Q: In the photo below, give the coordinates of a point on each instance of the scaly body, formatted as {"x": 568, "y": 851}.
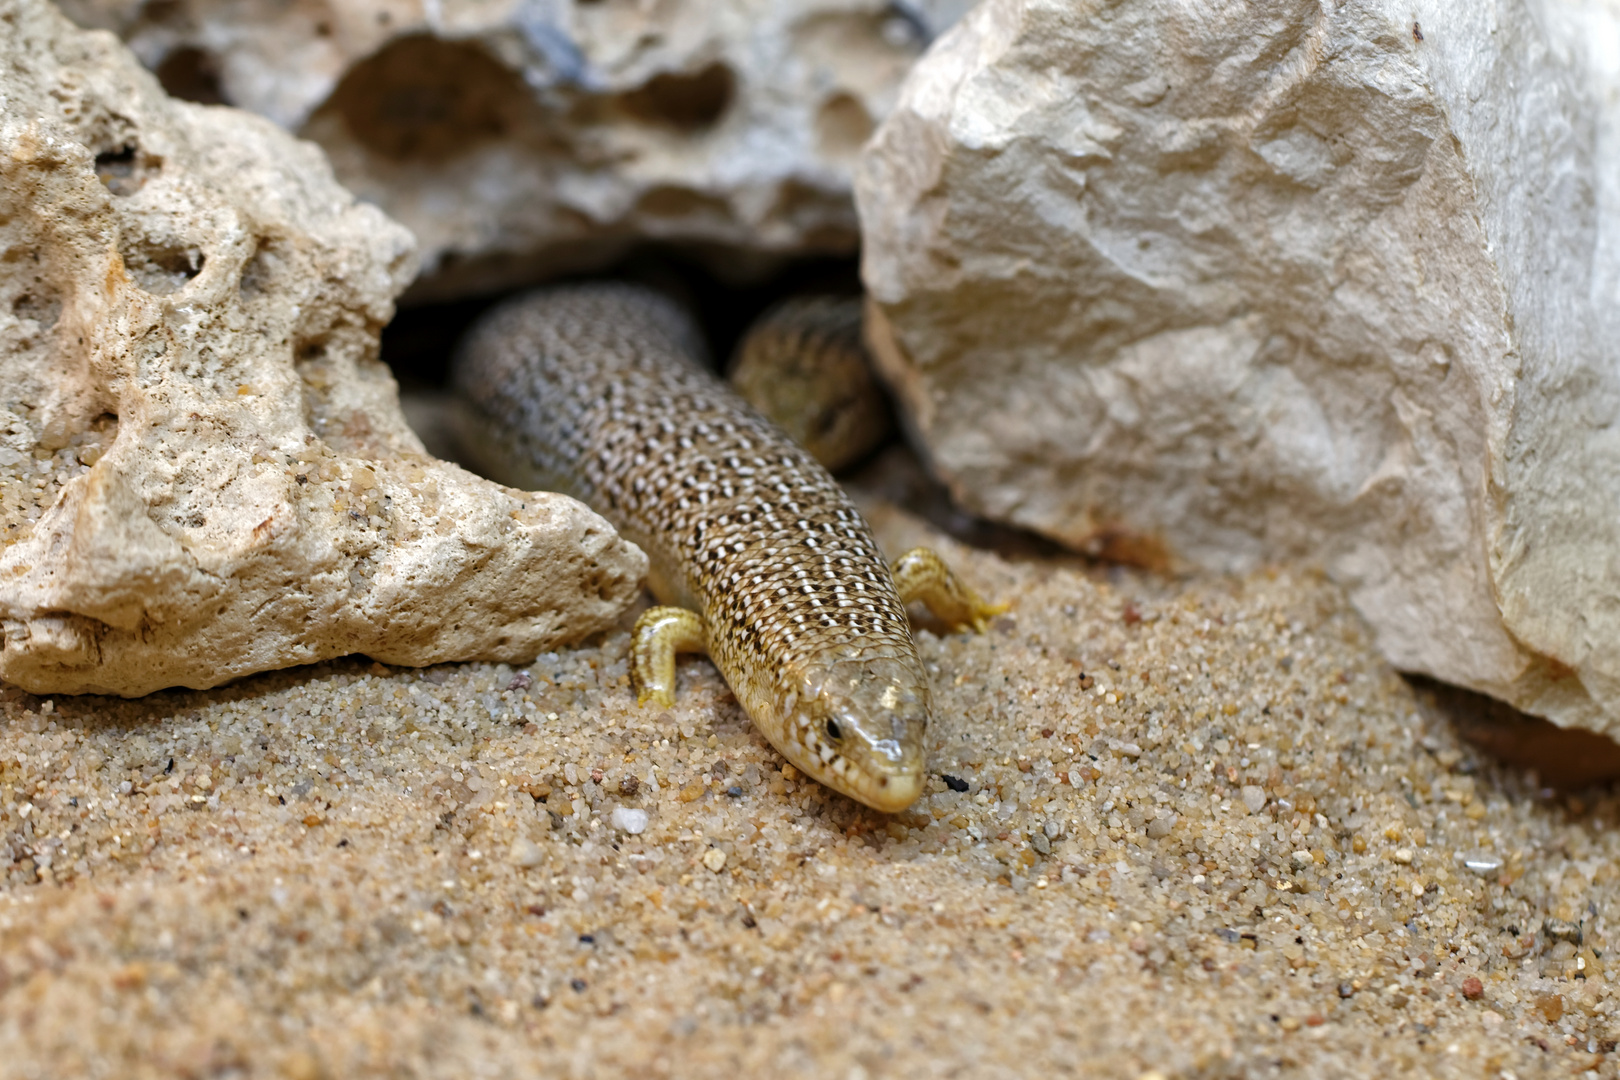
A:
{"x": 598, "y": 391}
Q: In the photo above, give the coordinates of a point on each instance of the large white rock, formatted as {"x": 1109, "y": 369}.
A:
{"x": 521, "y": 138}
{"x": 1236, "y": 283}
{"x": 203, "y": 467}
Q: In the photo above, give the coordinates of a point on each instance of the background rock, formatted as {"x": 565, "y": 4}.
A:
{"x": 203, "y": 467}
{"x": 1288, "y": 281}
{"x": 523, "y": 138}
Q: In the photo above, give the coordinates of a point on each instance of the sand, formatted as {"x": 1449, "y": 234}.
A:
{"x": 1177, "y": 828}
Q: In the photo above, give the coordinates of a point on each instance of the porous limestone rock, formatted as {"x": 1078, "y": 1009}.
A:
{"x": 203, "y": 467}
{"x": 522, "y": 138}
{"x": 1299, "y": 280}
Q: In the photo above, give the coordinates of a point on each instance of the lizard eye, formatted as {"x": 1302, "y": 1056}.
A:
{"x": 834, "y": 732}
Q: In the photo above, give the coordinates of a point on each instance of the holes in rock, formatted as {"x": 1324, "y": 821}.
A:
{"x": 809, "y": 206}
{"x": 161, "y": 270}
{"x": 688, "y": 102}
{"x": 600, "y": 584}
{"x": 862, "y": 50}
{"x": 794, "y": 196}
{"x": 92, "y": 443}
{"x": 259, "y": 272}
{"x": 342, "y": 430}
{"x": 905, "y": 27}
{"x": 163, "y": 12}
{"x": 41, "y": 305}
{"x": 421, "y": 99}
{"x": 842, "y": 126}
{"x": 124, "y": 170}
{"x": 192, "y": 74}
{"x": 669, "y": 201}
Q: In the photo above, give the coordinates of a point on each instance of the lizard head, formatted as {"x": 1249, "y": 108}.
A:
{"x": 859, "y": 725}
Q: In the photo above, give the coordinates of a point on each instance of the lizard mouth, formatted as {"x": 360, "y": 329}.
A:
{"x": 888, "y": 792}
{"x": 889, "y": 786}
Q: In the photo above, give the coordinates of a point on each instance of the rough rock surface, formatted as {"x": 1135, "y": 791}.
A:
{"x": 203, "y": 467}
{"x": 1191, "y": 829}
{"x": 1339, "y": 282}
{"x": 521, "y": 137}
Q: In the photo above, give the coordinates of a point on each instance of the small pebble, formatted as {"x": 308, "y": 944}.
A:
{"x": 1403, "y": 856}
{"x": 1302, "y": 859}
{"x": 1562, "y": 930}
{"x": 714, "y": 859}
{"x": 629, "y": 820}
{"x": 1254, "y": 798}
{"x": 1482, "y": 862}
{"x": 954, "y": 783}
{"x": 1472, "y": 988}
{"x": 525, "y": 853}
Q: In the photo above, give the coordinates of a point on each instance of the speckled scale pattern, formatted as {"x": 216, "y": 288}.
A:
{"x": 604, "y": 387}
